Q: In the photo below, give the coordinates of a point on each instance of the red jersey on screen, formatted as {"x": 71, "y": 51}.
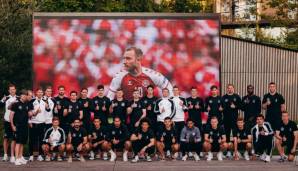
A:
{"x": 128, "y": 83}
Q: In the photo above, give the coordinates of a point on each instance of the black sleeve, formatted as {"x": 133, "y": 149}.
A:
{"x": 14, "y": 107}
{"x": 264, "y": 99}
{"x": 259, "y": 105}
{"x": 222, "y": 131}
{"x": 282, "y": 100}
{"x": 84, "y": 132}
{"x": 151, "y": 134}
{"x": 156, "y": 107}
{"x": 125, "y": 135}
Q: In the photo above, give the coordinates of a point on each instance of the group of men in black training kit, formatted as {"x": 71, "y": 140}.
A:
{"x": 62, "y": 128}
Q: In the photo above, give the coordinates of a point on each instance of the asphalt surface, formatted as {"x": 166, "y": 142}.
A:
{"x": 203, "y": 165}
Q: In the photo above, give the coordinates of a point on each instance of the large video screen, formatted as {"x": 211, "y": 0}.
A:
{"x": 78, "y": 52}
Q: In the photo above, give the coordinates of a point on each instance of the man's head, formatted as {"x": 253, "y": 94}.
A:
{"x": 214, "y": 122}
{"x": 97, "y": 122}
{"x": 176, "y": 91}
{"x": 39, "y": 93}
{"x": 77, "y": 123}
{"x": 194, "y": 92}
{"x": 240, "y": 123}
{"x": 61, "y": 90}
{"x": 165, "y": 92}
{"x": 167, "y": 122}
{"x": 136, "y": 94}
{"x": 73, "y": 95}
{"x": 260, "y": 119}
{"x": 12, "y": 89}
{"x": 84, "y": 93}
{"x": 230, "y": 89}
{"x": 24, "y": 95}
{"x": 119, "y": 94}
{"x": 29, "y": 95}
{"x": 272, "y": 87}
{"x": 214, "y": 90}
{"x": 145, "y": 124}
{"x": 49, "y": 91}
{"x": 55, "y": 122}
{"x": 190, "y": 123}
{"x": 150, "y": 90}
{"x": 132, "y": 59}
{"x": 100, "y": 90}
{"x": 285, "y": 117}
{"x": 250, "y": 89}
{"x": 117, "y": 122}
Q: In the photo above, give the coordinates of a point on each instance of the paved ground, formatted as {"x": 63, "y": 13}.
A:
{"x": 99, "y": 165}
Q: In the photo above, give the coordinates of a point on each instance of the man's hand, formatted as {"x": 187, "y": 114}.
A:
{"x": 162, "y": 139}
{"x": 104, "y": 108}
{"x": 14, "y": 128}
{"x": 140, "y": 136}
{"x": 86, "y": 104}
{"x": 197, "y": 106}
{"x": 233, "y": 106}
{"x": 173, "y": 140}
{"x": 220, "y": 108}
{"x": 208, "y": 108}
{"x": 149, "y": 107}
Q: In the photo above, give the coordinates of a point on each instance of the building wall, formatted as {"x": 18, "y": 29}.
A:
{"x": 244, "y": 63}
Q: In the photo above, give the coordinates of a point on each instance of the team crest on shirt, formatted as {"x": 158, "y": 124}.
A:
{"x": 244, "y": 134}
{"x": 193, "y": 134}
{"x": 113, "y": 132}
{"x": 276, "y": 100}
{"x": 27, "y": 107}
{"x": 234, "y": 99}
{"x": 218, "y": 134}
{"x": 145, "y": 83}
{"x": 253, "y": 101}
{"x": 74, "y": 135}
{"x": 147, "y": 137}
{"x": 282, "y": 128}
{"x": 163, "y": 134}
{"x": 238, "y": 134}
{"x": 70, "y": 107}
{"x": 77, "y": 107}
{"x": 218, "y": 101}
{"x": 226, "y": 100}
{"x": 290, "y": 129}
{"x": 94, "y": 135}
{"x": 211, "y": 132}
{"x": 96, "y": 101}
{"x": 122, "y": 104}
{"x": 210, "y": 101}
{"x": 120, "y": 132}
{"x": 145, "y": 101}
{"x": 20, "y": 107}
{"x": 129, "y": 82}
{"x": 58, "y": 102}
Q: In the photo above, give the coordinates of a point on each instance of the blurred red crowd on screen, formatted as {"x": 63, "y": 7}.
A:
{"x": 80, "y": 53}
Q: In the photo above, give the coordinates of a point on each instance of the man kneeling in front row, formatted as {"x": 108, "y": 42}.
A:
{"x": 286, "y": 136}
{"x": 54, "y": 140}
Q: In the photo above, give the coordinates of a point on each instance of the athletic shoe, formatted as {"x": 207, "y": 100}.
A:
{"x": 125, "y": 158}
{"x": 31, "y": 158}
{"x": 5, "y": 157}
{"x": 219, "y": 156}
{"x": 136, "y": 159}
{"x": 82, "y": 159}
{"x": 12, "y": 159}
{"x": 105, "y": 156}
{"x": 113, "y": 156}
{"x": 48, "y": 158}
{"x": 184, "y": 158}
{"x": 209, "y": 156}
{"x": 190, "y": 154}
{"x": 59, "y": 159}
{"x": 267, "y": 158}
{"x": 196, "y": 156}
{"x": 18, "y": 162}
{"x": 69, "y": 159}
{"x": 246, "y": 156}
{"x": 40, "y": 158}
{"x": 263, "y": 157}
{"x": 201, "y": 154}
{"x": 91, "y": 155}
{"x": 229, "y": 155}
{"x": 168, "y": 154}
{"x": 23, "y": 159}
{"x": 148, "y": 158}
{"x": 175, "y": 156}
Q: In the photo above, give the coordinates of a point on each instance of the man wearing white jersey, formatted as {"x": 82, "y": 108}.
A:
{"x": 181, "y": 107}
{"x": 36, "y": 124}
{"x": 7, "y": 101}
{"x": 49, "y": 106}
{"x": 164, "y": 107}
{"x": 135, "y": 77}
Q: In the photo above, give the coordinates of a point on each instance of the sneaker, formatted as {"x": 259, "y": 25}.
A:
{"x": 201, "y": 154}
{"x": 209, "y": 156}
{"x": 91, "y": 155}
{"x": 69, "y": 159}
{"x": 105, "y": 156}
{"x": 246, "y": 156}
{"x": 148, "y": 158}
{"x": 136, "y": 159}
{"x": 31, "y": 158}
{"x": 22, "y": 161}
{"x": 168, "y": 154}
{"x": 113, "y": 156}
{"x": 5, "y": 158}
{"x": 267, "y": 158}
{"x": 229, "y": 155}
{"x": 40, "y": 158}
{"x": 125, "y": 158}
{"x": 48, "y": 158}
{"x": 190, "y": 154}
{"x": 219, "y": 156}
{"x": 262, "y": 157}
{"x": 197, "y": 157}
{"x": 12, "y": 159}
{"x": 97, "y": 156}
{"x": 184, "y": 158}
{"x": 175, "y": 156}
{"x": 17, "y": 162}
{"x": 59, "y": 159}
{"x": 82, "y": 159}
